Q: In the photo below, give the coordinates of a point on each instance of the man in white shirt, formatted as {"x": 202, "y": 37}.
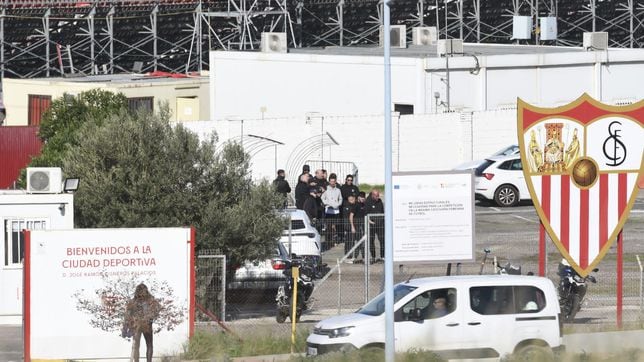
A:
{"x": 332, "y": 200}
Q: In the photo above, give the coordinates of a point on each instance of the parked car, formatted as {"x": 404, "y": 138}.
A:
{"x": 304, "y": 238}
{"x": 265, "y": 275}
{"x": 456, "y": 316}
{"x": 501, "y": 179}
{"x": 259, "y": 275}
{"x": 505, "y": 151}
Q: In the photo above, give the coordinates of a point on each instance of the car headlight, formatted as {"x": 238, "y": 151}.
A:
{"x": 340, "y": 332}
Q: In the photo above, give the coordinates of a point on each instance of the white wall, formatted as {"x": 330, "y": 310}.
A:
{"x": 256, "y": 85}
{"x": 269, "y": 95}
{"x": 544, "y": 79}
{"x": 428, "y": 142}
{"x": 17, "y": 205}
{"x": 261, "y": 85}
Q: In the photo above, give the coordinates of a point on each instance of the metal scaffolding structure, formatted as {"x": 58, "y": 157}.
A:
{"x": 62, "y": 37}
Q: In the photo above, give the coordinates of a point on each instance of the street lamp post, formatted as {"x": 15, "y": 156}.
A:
{"x": 241, "y": 125}
{"x": 389, "y": 265}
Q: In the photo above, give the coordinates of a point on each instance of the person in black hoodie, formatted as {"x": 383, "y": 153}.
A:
{"x": 311, "y": 205}
{"x": 358, "y": 220}
{"x": 349, "y": 188}
{"x": 374, "y": 205}
{"x": 302, "y": 187}
{"x": 281, "y": 186}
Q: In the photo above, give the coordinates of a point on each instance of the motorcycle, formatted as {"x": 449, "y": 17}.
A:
{"x": 509, "y": 269}
{"x": 572, "y": 290}
{"x": 305, "y": 286}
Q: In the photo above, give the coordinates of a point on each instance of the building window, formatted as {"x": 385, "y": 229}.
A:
{"x": 141, "y": 103}
{"x": 404, "y": 109}
{"x": 38, "y": 105}
{"x": 14, "y": 242}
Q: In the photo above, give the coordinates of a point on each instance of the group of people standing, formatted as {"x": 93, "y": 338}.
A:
{"x": 337, "y": 210}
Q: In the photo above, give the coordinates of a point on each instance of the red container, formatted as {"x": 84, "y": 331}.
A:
{"x": 18, "y": 144}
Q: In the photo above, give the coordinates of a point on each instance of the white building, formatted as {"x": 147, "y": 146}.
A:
{"x": 305, "y": 95}
{"x": 349, "y": 80}
{"x": 18, "y": 211}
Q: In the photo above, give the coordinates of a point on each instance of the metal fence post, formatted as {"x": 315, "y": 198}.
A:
{"x": 367, "y": 260}
{"x": 339, "y": 286}
{"x": 639, "y": 262}
{"x": 223, "y": 289}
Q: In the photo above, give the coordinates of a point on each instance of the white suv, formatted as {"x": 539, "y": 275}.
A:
{"x": 501, "y": 179}
{"x": 480, "y": 316}
{"x": 304, "y": 238}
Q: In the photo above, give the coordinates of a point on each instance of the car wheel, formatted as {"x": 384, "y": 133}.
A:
{"x": 534, "y": 353}
{"x": 506, "y": 196}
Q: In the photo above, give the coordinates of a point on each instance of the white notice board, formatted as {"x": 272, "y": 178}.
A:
{"x": 433, "y": 216}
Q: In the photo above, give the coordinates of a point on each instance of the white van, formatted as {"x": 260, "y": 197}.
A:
{"x": 478, "y": 316}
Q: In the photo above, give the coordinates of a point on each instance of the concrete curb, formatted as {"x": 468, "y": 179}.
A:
{"x": 268, "y": 358}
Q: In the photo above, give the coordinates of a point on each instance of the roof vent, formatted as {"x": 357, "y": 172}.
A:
{"x": 596, "y": 41}
{"x": 449, "y": 46}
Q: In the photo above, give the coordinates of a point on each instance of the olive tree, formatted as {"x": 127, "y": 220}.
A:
{"x": 61, "y": 122}
{"x": 137, "y": 170}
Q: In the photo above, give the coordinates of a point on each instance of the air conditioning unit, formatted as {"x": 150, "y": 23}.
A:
{"x": 548, "y": 26}
{"x": 44, "y": 180}
{"x": 521, "y": 27}
{"x": 424, "y": 35}
{"x": 596, "y": 41}
{"x": 398, "y": 36}
{"x": 274, "y": 43}
{"x": 449, "y": 46}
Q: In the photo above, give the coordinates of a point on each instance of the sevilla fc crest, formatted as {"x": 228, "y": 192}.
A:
{"x": 581, "y": 163}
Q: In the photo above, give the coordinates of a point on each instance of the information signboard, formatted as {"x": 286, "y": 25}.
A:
{"x": 433, "y": 216}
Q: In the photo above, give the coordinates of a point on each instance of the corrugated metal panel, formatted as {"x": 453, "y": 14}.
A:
{"x": 18, "y": 144}
{"x": 38, "y": 105}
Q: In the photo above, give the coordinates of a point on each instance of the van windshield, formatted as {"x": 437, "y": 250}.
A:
{"x": 377, "y": 305}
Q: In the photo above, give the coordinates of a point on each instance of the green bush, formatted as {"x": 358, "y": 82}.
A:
{"x": 208, "y": 345}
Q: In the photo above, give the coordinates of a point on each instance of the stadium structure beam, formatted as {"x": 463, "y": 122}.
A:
{"x": 175, "y": 35}
{"x": 245, "y": 34}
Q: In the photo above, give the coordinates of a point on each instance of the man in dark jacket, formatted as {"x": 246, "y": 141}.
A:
{"x": 302, "y": 187}
{"x": 281, "y": 186}
{"x": 311, "y": 205}
{"x": 374, "y": 205}
{"x": 358, "y": 220}
{"x": 349, "y": 188}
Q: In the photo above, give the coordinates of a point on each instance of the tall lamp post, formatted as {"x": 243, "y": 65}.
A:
{"x": 389, "y": 264}
{"x": 309, "y": 118}
{"x": 241, "y": 131}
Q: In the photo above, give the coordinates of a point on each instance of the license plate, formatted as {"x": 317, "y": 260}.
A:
{"x": 312, "y": 351}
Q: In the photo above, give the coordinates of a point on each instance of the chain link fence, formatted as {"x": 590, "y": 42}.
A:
{"x": 355, "y": 273}
{"x": 210, "y": 289}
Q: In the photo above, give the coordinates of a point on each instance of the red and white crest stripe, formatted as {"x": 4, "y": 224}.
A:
{"x": 582, "y": 219}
